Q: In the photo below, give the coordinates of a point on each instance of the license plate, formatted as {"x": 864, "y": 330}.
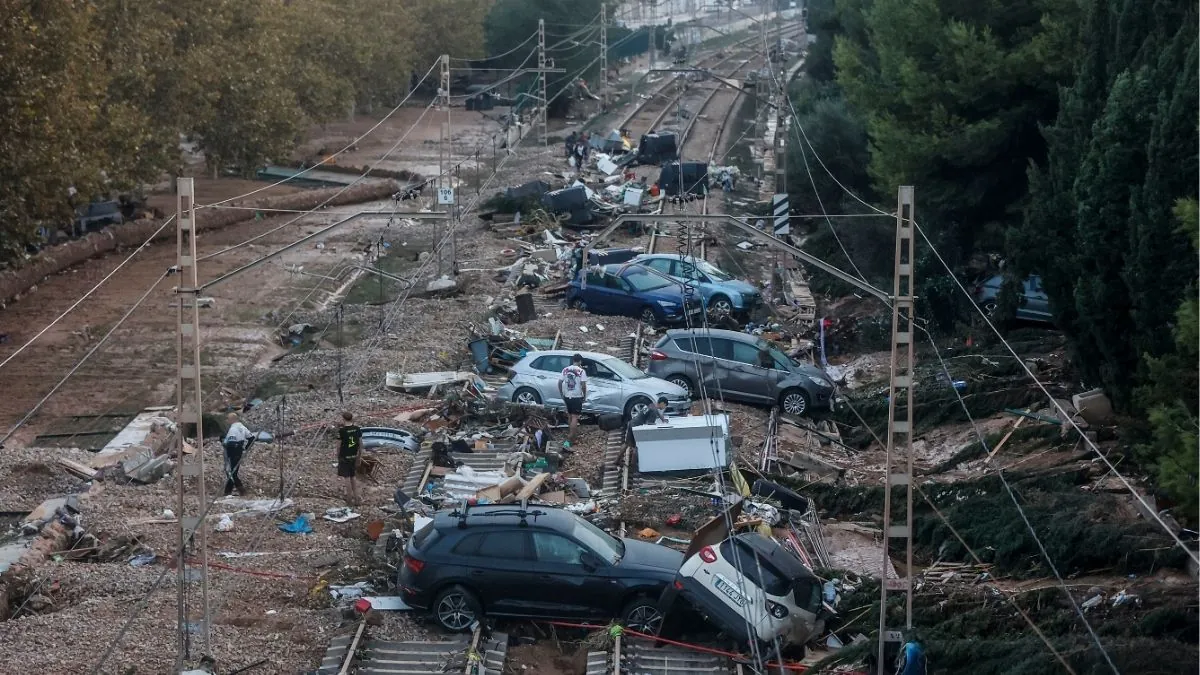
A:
{"x": 726, "y": 586}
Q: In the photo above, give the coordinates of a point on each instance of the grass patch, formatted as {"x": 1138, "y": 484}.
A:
{"x": 401, "y": 261}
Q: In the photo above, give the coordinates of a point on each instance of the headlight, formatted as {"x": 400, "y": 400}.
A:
{"x": 821, "y": 382}
{"x": 665, "y": 304}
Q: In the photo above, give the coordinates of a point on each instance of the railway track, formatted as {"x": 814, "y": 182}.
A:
{"x": 358, "y": 653}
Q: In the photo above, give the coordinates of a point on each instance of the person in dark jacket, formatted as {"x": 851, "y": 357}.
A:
{"x": 349, "y": 445}
{"x": 650, "y": 415}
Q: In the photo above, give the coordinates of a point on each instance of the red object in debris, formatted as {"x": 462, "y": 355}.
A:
{"x": 658, "y": 356}
{"x": 362, "y": 605}
{"x": 674, "y": 520}
{"x": 970, "y": 342}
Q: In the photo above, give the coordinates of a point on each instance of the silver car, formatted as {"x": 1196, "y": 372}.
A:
{"x": 739, "y": 367}
{"x": 613, "y": 386}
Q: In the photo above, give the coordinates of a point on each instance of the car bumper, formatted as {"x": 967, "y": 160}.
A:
{"x": 415, "y": 598}
{"x": 506, "y": 391}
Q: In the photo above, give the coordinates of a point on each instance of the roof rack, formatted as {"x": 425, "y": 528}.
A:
{"x": 522, "y": 511}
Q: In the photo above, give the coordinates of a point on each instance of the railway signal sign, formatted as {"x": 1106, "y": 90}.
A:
{"x": 779, "y": 208}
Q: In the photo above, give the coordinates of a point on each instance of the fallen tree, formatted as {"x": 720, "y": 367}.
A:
{"x": 55, "y": 259}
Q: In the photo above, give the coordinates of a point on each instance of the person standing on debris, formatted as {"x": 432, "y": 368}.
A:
{"x": 570, "y": 143}
{"x": 572, "y": 386}
{"x": 237, "y": 441}
{"x": 349, "y": 443}
{"x": 651, "y": 414}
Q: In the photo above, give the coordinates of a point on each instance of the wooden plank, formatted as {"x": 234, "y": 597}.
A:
{"x": 531, "y": 488}
{"x": 1004, "y": 440}
{"x": 85, "y": 472}
{"x": 424, "y": 477}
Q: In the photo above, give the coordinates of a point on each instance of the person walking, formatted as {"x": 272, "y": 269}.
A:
{"x": 237, "y": 440}
{"x": 654, "y": 413}
{"x": 349, "y": 443}
{"x": 572, "y": 386}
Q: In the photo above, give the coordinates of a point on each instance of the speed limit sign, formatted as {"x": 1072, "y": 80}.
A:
{"x": 445, "y": 195}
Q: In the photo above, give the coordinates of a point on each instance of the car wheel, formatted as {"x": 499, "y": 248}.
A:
{"x": 683, "y": 383}
{"x": 642, "y": 615}
{"x": 794, "y": 402}
{"x": 637, "y": 406}
{"x": 456, "y": 609}
{"x": 648, "y": 317}
{"x": 580, "y": 305}
{"x": 720, "y": 306}
{"x": 527, "y": 396}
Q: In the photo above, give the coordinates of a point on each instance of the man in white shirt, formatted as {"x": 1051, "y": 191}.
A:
{"x": 237, "y": 440}
{"x": 572, "y": 386}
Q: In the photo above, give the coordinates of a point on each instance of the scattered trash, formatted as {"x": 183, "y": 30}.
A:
{"x": 390, "y": 603}
{"x": 301, "y": 525}
{"x": 142, "y": 559}
{"x": 225, "y": 524}
{"x": 674, "y": 519}
{"x": 340, "y": 514}
{"x": 351, "y": 591}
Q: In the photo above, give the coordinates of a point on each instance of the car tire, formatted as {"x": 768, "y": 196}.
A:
{"x": 643, "y": 616}
{"x": 720, "y": 305}
{"x": 456, "y": 609}
{"x": 634, "y": 404}
{"x": 648, "y": 317}
{"x": 579, "y": 304}
{"x": 527, "y": 396}
{"x": 684, "y": 382}
{"x": 794, "y": 402}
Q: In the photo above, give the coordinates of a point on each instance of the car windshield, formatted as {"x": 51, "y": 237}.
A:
{"x": 642, "y": 280}
{"x": 626, "y": 371}
{"x": 713, "y": 272}
{"x": 598, "y": 541}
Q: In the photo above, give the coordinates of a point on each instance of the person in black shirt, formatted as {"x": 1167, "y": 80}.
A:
{"x": 650, "y": 415}
{"x": 349, "y": 443}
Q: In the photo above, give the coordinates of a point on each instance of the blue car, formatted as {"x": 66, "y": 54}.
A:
{"x": 635, "y": 291}
{"x": 720, "y": 291}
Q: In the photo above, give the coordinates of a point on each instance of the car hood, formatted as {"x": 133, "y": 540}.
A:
{"x": 647, "y": 557}
{"x": 740, "y": 286}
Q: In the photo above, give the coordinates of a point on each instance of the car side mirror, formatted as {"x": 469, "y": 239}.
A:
{"x": 589, "y": 561}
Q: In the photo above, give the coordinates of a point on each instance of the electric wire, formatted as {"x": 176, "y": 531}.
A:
{"x": 484, "y": 59}
{"x": 143, "y": 603}
{"x": 1012, "y": 352}
{"x": 88, "y": 294}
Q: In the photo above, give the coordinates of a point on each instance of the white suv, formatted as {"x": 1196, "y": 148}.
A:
{"x": 774, "y": 596}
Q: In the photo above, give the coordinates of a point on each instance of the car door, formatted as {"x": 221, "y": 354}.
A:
{"x": 625, "y": 299}
{"x": 568, "y": 588}
{"x": 709, "y": 370}
{"x": 686, "y": 269}
{"x": 500, "y": 572}
{"x": 726, "y": 373}
{"x": 746, "y": 375}
{"x": 604, "y": 391}
{"x": 1036, "y": 303}
{"x": 545, "y": 372}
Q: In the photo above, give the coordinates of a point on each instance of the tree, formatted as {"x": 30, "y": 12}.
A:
{"x": 953, "y": 94}
{"x": 1098, "y": 225}
{"x": 1170, "y": 394}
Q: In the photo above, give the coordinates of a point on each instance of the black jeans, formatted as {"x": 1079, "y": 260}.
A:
{"x": 233, "y": 460}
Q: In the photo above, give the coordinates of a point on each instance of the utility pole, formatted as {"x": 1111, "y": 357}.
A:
{"x": 192, "y": 626}
{"x": 443, "y": 152}
{"x": 542, "y": 77}
{"x": 900, "y": 422}
{"x": 604, "y": 55}
{"x": 779, "y": 28}
{"x": 653, "y": 31}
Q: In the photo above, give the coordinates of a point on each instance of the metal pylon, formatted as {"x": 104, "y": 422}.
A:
{"x": 193, "y": 620}
{"x": 900, "y": 423}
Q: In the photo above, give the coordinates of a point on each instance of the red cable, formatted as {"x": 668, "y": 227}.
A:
{"x": 268, "y": 575}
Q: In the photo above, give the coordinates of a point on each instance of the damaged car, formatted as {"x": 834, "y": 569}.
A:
{"x": 613, "y": 386}
{"x": 752, "y": 589}
{"x": 532, "y": 562}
